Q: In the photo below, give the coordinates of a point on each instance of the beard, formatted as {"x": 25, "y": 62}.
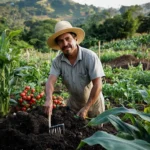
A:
{"x": 67, "y": 50}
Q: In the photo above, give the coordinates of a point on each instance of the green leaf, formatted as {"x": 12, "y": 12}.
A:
{"x": 14, "y": 33}
{"x": 13, "y": 101}
{"x": 103, "y": 117}
{"x": 143, "y": 93}
{"x": 112, "y": 142}
{"x": 124, "y": 127}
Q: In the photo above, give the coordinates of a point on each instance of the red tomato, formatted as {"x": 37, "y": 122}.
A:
{"x": 28, "y": 97}
{"x": 20, "y": 100}
{"x": 55, "y": 101}
{"x": 59, "y": 102}
{"x": 32, "y": 90}
{"x": 27, "y": 87}
{"x": 24, "y": 97}
{"x": 38, "y": 97}
{"x": 22, "y": 94}
{"x": 33, "y": 100}
{"x": 25, "y": 91}
{"x": 31, "y": 95}
{"x": 41, "y": 94}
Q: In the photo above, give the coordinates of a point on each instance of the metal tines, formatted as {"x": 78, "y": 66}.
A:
{"x": 56, "y": 129}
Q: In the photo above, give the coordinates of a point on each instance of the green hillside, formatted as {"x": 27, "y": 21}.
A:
{"x": 58, "y": 9}
{"x": 18, "y": 11}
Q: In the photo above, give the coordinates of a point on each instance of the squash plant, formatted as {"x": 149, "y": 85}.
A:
{"x": 8, "y": 57}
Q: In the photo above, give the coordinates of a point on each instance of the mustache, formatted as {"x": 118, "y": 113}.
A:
{"x": 66, "y": 47}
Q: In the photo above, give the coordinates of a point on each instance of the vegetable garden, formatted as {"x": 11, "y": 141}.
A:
{"x": 124, "y": 125}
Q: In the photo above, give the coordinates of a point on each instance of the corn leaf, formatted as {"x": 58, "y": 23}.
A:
{"x": 124, "y": 127}
{"x": 111, "y": 142}
{"x": 103, "y": 117}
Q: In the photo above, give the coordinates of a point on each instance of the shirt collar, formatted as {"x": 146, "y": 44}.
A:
{"x": 79, "y": 57}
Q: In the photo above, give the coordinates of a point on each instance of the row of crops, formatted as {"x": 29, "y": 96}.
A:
{"x": 127, "y": 90}
{"x": 133, "y": 43}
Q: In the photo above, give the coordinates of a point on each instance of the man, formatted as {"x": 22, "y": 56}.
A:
{"x": 80, "y": 69}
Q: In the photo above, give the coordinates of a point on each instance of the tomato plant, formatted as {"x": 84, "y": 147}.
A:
{"x": 28, "y": 98}
{"x": 57, "y": 101}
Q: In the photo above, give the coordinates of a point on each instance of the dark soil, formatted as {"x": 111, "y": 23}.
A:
{"x": 29, "y": 131}
{"x": 125, "y": 61}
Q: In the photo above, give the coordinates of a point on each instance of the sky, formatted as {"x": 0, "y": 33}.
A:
{"x": 112, "y": 3}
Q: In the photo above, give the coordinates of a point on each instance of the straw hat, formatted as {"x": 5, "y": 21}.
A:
{"x": 64, "y": 27}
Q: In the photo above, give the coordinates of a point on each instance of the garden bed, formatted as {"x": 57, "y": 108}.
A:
{"x": 125, "y": 61}
{"x": 29, "y": 131}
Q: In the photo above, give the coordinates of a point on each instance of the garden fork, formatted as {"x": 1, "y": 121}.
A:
{"x": 56, "y": 129}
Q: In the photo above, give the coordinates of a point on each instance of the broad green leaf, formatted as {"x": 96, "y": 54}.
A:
{"x": 124, "y": 127}
{"x": 143, "y": 93}
{"x": 103, "y": 117}
{"x": 146, "y": 95}
{"x": 112, "y": 142}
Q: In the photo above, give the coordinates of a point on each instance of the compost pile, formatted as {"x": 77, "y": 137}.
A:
{"x": 29, "y": 131}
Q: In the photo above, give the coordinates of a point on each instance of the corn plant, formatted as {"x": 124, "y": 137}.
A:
{"x": 129, "y": 137}
{"x": 8, "y": 57}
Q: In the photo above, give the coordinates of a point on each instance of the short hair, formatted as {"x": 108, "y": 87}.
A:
{"x": 72, "y": 33}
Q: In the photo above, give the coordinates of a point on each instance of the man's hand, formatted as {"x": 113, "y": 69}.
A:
{"x": 48, "y": 107}
{"x": 96, "y": 89}
{"x": 82, "y": 112}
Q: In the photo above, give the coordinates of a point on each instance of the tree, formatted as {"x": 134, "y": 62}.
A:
{"x": 131, "y": 22}
{"x": 145, "y": 24}
{"x": 38, "y": 33}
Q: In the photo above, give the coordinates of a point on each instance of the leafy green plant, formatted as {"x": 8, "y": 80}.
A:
{"x": 124, "y": 86}
{"x": 133, "y": 43}
{"x": 112, "y": 142}
{"x": 134, "y": 137}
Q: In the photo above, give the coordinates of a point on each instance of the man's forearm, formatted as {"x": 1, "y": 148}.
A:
{"x": 49, "y": 91}
{"x": 95, "y": 92}
{"x": 50, "y": 87}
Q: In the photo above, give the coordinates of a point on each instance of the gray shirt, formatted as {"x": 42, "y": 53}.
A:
{"x": 77, "y": 77}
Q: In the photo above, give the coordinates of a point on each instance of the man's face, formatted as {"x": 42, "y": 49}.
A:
{"x": 67, "y": 43}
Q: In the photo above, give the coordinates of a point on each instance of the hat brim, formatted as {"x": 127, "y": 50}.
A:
{"x": 78, "y": 31}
